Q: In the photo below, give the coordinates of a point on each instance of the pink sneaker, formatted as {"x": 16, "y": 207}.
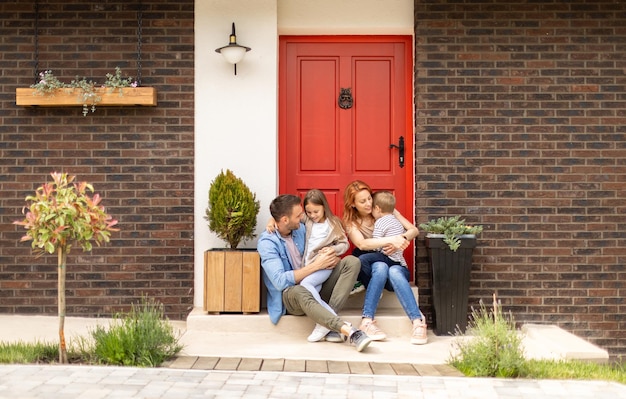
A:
{"x": 419, "y": 336}
{"x": 371, "y": 329}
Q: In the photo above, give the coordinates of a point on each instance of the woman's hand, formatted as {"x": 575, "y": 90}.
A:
{"x": 398, "y": 243}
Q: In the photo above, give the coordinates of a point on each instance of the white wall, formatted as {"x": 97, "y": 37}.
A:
{"x": 236, "y": 123}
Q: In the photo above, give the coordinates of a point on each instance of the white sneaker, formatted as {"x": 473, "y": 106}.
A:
{"x": 318, "y": 333}
{"x": 358, "y": 287}
{"x": 335, "y": 337}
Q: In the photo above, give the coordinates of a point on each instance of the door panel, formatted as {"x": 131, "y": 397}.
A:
{"x": 324, "y": 146}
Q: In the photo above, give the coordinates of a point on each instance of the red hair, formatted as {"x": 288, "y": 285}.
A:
{"x": 350, "y": 214}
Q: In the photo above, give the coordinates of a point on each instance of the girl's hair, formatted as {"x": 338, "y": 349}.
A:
{"x": 317, "y": 197}
{"x": 350, "y": 214}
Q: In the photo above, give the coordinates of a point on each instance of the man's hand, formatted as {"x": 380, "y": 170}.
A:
{"x": 325, "y": 260}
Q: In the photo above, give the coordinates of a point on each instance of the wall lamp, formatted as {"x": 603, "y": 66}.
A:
{"x": 233, "y": 52}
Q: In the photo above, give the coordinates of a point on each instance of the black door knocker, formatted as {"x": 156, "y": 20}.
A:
{"x": 345, "y": 98}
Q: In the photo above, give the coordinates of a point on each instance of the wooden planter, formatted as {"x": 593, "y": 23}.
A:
{"x": 232, "y": 281}
{"x": 450, "y": 281}
{"x": 130, "y": 97}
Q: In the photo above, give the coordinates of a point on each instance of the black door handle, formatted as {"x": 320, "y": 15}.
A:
{"x": 400, "y": 148}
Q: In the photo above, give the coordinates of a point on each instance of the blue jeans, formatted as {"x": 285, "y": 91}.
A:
{"x": 378, "y": 275}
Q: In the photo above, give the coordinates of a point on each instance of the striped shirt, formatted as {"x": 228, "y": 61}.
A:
{"x": 388, "y": 226}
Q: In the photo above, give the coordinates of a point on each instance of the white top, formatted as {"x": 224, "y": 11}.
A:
{"x": 319, "y": 232}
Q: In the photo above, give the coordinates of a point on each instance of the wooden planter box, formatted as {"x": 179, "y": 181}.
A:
{"x": 232, "y": 281}
{"x": 450, "y": 281}
{"x": 131, "y": 96}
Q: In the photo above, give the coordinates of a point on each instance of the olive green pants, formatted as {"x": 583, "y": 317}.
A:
{"x": 335, "y": 291}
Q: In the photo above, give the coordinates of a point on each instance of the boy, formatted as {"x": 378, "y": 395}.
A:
{"x": 386, "y": 225}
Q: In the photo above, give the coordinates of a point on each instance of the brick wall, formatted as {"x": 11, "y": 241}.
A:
{"x": 139, "y": 159}
{"x": 521, "y": 127}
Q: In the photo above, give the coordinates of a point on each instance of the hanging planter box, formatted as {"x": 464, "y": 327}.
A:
{"x": 450, "y": 281}
{"x": 232, "y": 281}
{"x": 129, "y": 97}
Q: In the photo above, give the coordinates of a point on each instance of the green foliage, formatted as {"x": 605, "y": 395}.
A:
{"x": 87, "y": 94}
{"x": 62, "y": 213}
{"x": 574, "y": 369}
{"x": 142, "y": 338}
{"x": 25, "y": 353}
{"x": 233, "y": 209}
{"x": 491, "y": 346}
{"x": 117, "y": 81}
{"x": 451, "y": 228}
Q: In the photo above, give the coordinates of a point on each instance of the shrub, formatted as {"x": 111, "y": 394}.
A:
{"x": 233, "y": 209}
{"x": 491, "y": 346}
{"x": 141, "y": 338}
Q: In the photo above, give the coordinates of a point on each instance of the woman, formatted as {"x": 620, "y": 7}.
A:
{"x": 359, "y": 226}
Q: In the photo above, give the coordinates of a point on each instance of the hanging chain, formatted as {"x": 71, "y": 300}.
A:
{"x": 139, "y": 34}
{"x": 36, "y": 41}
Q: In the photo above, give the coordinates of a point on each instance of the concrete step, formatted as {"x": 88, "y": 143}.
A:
{"x": 552, "y": 342}
{"x": 390, "y": 317}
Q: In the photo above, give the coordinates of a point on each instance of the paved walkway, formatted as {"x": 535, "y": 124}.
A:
{"x": 89, "y": 382}
{"x": 311, "y": 366}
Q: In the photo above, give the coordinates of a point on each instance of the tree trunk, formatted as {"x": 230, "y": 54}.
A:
{"x": 62, "y": 259}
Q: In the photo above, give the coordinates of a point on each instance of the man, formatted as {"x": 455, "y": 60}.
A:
{"x": 281, "y": 259}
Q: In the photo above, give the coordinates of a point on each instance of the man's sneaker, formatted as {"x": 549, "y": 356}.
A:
{"x": 358, "y": 287}
{"x": 360, "y": 340}
{"x": 319, "y": 332}
{"x": 419, "y": 336}
{"x": 371, "y": 329}
{"x": 334, "y": 336}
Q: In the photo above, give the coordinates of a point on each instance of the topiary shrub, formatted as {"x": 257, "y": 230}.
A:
{"x": 233, "y": 209}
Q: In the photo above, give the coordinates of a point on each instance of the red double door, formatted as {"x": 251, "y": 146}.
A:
{"x": 327, "y": 137}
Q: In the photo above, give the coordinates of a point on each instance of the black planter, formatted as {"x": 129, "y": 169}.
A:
{"x": 450, "y": 281}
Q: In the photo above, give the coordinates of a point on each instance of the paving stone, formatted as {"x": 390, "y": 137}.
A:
{"x": 360, "y": 368}
{"x": 206, "y": 363}
{"x": 250, "y": 364}
{"x": 183, "y": 362}
{"x": 448, "y": 371}
{"x": 317, "y": 366}
{"x": 426, "y": 369}
{"x": 404, "y": 369}
{"x": 228, "y": 363}
{"x": 294, "y": 365}
{"x": 382, "y": 369}
{"x": 335, "y": 367}
{"x": 273, "y": 365}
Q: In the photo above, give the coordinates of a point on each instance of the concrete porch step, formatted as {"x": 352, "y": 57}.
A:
{"x": 390, "y": 317}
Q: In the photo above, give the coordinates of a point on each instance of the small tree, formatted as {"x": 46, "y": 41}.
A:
{"x": 232, "y": 210}
{"x": 60, "y": 214}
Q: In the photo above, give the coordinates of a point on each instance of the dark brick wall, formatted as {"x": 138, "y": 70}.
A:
{"x": 521, "y": 127}
{"x": 139, "y": 159}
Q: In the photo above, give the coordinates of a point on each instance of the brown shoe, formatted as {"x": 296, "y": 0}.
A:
{"x": 371, "y": 329}
{"x": 419, "y": 336}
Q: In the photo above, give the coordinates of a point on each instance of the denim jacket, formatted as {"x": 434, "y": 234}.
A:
{"x": 277, "y": 268}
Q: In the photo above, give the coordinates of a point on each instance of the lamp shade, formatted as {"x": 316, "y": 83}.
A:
{"x": 233, "y": 53}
